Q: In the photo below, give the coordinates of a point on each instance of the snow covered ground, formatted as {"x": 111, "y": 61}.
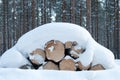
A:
{"x": 20, "y": 74}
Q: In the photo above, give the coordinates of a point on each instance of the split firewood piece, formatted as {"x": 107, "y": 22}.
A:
{"x": 67, "y": 64}
{"x": 37, "y": 56}
{"x": 50, "y": 66}
{"x": 97, "y": 67}
{"x": 54, "y": 50}
{"x": 81, "y": 67}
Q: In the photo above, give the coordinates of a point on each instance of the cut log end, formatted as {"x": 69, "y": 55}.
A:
{"x": 67, "y": 64}
{"x": 50, "y": 66}
{"x": 82, "y": 67}
{"x": 68, "y": 44}
{"x": 54, "y": 50}
{"x": 38, "y": 53}
{"x": 97, "y": 67}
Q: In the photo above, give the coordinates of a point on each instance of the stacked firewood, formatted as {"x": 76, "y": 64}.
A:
{"x": 61, "y": 56}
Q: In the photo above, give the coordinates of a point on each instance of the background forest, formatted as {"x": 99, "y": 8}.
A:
{"x": 100, "y": 17}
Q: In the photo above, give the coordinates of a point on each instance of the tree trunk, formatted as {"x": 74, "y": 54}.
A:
{"x": 88, "y": 12}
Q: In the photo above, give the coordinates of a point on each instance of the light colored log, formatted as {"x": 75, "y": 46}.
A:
{"x": 97, "y": 67}
{"x": 50, "y": 66}
{"x": 37, "y": 54}
{"x": 68, "y": 44}
{"x": 54, "y": 50}
{"x": 81, "y": 67}
{"x": 40, "y": 52}
{"x": 67, "y": 64}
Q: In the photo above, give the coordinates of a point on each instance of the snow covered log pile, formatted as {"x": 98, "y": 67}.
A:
{"x": 62, "y": 46}
{"x": 59, "y": 56}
